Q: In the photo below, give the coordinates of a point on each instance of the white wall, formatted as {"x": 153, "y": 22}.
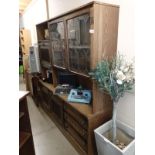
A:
{"x": 34, "y": 14}
{"x": 57, "y": 7}
{"x": 126, "y": 108}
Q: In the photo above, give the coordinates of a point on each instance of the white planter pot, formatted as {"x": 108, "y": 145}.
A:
{"x": 106, "y": 147}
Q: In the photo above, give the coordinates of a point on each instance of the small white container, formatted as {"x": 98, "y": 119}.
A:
{"x": 106, "y": 147}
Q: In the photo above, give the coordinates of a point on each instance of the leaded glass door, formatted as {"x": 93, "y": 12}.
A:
{"x": 79, "y": 43}
{"x": 57, "y": 37}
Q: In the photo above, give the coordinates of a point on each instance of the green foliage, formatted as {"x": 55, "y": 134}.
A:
{"x": 114, "y": 77}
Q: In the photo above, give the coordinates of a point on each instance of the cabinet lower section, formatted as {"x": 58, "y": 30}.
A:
{"x": 77, "y": 127}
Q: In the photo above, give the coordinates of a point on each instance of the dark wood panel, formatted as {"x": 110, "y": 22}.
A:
{"x": 58, "y": 108}
{"x": 74, "y": 134}
{"x": 95, "y": 121}
{"x": 76, "y": 126}
{"x": 21, "y": 114}
{"x": 26, "y": 146}
{"x": 23, "y": 138}
{"x": 79, "y": 118}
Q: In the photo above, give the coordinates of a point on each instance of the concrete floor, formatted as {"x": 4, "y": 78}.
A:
{"x": 48, "y": 140}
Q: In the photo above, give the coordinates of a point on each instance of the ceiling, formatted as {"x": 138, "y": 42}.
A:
{"x": 23, "y": 4}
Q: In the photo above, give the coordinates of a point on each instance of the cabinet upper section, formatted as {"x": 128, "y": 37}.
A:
{"x": 82, "y": 37}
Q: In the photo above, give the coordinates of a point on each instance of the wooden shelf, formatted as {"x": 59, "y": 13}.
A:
{"x": 23, "y": 138}
{"x": 21, "y": 114}
{"x": 84, "y": 109}
{"x": 47, "y": 85}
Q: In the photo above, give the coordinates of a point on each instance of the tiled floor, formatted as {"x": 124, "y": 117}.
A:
{"x": 48, "y": 140}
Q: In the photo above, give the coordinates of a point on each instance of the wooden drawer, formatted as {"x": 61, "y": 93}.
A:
{"x": 58, "y": 108}
{"x": 75, "y": 135}
{"x": 77, "y": 116}
{"x": 50, "y": 101}
{"x": 45, "y": 97}
{"x": 45, "y": 90}
{"x": 81, "y": 131}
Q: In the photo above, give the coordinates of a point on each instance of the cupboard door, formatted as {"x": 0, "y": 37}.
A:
{"x": 79, "y": 43}
{"x": 57, "y": 37}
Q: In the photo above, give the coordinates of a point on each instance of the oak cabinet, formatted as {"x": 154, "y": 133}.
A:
{"x": 79, "y": 39}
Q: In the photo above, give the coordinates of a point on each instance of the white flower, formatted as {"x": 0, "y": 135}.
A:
{"x": 126, "y": 69}
{"x": 129, "y": 76}
{"x": 122, "y": 68}
{"x": 129, "y": 63}
{"x": 120, "y": 76}
{"x": 115, "y": 71}
{"x": 120, "y": 82}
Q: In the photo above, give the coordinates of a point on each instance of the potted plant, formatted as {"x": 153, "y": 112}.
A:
{"x": 114, "y": 77}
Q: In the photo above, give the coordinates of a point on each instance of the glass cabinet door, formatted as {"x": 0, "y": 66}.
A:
{"x": 57, "y": 38}
{"x": 79, "y": 43}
